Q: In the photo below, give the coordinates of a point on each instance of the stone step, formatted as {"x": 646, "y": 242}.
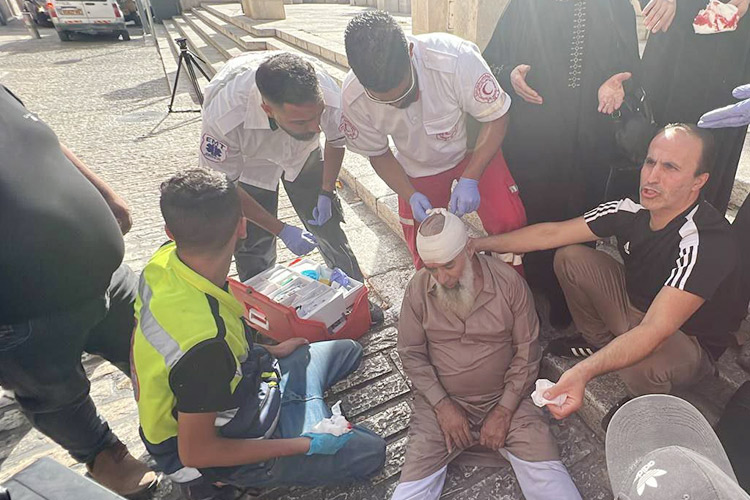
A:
{"x": 331, "y": 52}
{"x": 226, "y": 46}
{"x": 242, "y": 38}
{"x": 211, "y": 56}
{"x": 237, "y": 29}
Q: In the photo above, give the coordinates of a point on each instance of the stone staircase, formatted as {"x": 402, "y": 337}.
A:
{"x": 216, "y": 33}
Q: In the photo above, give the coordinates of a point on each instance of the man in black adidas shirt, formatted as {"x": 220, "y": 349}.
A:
{"x": 62, "y": 291}
{"x": 663, "y": 317}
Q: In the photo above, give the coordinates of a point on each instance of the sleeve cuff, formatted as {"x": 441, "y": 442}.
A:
{"x": 435, "y": 394}
{"x": 338, "y": 142}
{"x": 510, "y": 400}
{"x": 496, "y": 111}
{"x": 365, "y": 152}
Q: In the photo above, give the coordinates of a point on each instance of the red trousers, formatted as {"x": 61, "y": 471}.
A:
{"x": 500, "y": 209}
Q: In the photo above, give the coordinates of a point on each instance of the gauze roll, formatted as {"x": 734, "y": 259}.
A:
{"x": 446, "y": 245}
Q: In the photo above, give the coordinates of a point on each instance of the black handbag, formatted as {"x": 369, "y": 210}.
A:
{"x": 634, "y": 126}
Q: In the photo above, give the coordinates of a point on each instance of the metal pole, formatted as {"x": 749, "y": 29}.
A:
{"x": 30, "y": 25}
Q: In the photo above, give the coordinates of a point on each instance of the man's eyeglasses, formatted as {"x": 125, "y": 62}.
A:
{"x": 400, "y": 98}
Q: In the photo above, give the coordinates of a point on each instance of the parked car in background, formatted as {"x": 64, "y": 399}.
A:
{"x": 89, "y": 16}
{"x": 38, "y": 11}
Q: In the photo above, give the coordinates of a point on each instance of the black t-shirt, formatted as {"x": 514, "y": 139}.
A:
{"x": 60, "y": 242}
{"x": 696, "y": 252}
{"x": 201, "y": 379}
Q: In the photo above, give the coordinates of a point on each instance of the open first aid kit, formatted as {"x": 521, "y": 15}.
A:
{"x": 304, "y": 299}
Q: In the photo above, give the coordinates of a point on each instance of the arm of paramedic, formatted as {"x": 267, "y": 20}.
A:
{"x": 333, "y": 157}
{"x": 391, "y": 171}
{"x": 490, "y": 139}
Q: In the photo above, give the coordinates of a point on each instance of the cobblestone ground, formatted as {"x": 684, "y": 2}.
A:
{"x": 107, "y": 100}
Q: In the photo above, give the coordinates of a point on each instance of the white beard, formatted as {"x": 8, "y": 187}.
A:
{"x": 459, "y": 299}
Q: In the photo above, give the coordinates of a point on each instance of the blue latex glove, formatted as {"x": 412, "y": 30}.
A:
{"x": 339, "y": 277}
{"x": 465, "y": 198}
{"x": 326, "y": 444}
{"x": 323, "y": 211}
{"x": 419, "y": 206}
{"x": 734, "y": 115}
{"x": 297, "y": 240}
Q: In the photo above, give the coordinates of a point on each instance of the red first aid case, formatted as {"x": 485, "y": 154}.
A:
{"x": 281, "y": 322}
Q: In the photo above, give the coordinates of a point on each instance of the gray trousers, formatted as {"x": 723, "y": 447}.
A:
{"x": 257, "y": 252}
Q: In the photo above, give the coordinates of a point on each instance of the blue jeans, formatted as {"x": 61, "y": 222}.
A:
{"x": 305, "y": 375}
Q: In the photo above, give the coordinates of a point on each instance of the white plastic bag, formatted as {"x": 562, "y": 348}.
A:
{"x": 336, "y": 424}
{"x": 542, "y": 385}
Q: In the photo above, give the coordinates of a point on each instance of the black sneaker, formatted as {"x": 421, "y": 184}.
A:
{"x": 376, "y": 314}
{"x": 571, "y": 347}
{"x": 611, "y": 413}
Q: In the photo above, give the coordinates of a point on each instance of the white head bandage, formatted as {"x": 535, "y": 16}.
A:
{"x": 445, "y": 246}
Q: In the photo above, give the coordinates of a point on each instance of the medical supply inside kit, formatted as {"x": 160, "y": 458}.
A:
{"x": 304, "y": 299}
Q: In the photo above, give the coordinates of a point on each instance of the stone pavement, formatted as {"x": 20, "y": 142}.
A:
{"x": 107, "y": 100}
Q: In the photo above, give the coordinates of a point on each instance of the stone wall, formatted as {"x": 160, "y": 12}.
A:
{"x": 470, "y": 19}
{"x": 395, "y": 6}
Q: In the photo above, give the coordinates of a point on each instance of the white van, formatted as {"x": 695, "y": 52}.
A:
{"x": 87, "y": 16}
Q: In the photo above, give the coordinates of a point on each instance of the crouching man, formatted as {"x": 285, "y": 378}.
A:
{"x": 214, "y": 407}
{"x": 468, "y": 338}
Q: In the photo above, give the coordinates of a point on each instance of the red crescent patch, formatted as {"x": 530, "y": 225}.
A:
{"x": 348, "y": 128}
{"x": 447, "y": 136}
{"x": 486, "y": 89}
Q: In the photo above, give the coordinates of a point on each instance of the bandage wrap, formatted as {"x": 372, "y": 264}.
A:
{"x": 446, "y": 245}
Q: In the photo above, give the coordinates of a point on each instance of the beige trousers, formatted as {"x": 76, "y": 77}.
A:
{"x": 594, "y": 288}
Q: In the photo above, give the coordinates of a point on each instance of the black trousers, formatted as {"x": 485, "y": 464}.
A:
{"x": 42, "y": 365}
{"x": 258, "y": 251}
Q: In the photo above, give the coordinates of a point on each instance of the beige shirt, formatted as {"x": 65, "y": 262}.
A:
{"x": 429, "y": 135}
{"x": 493, "y": 355}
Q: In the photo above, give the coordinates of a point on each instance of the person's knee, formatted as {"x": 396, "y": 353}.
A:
{"x": 364, "y": 454}
{"x": 646, "y": 378}
{"x": 349, "y": 350}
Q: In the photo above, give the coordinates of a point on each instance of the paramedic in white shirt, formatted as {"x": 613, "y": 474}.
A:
{"x": 262, "y": 118}
{"x": 418, "y": 90}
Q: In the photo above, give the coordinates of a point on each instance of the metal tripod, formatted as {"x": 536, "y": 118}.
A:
{"x": 189, "y": 59}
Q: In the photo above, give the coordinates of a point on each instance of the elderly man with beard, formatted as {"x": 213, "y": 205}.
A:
{"x": 468, "y": 338}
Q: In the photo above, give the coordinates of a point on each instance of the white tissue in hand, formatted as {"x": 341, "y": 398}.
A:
{"x": 337, "y": 424}
{"x": 543, "y": 385}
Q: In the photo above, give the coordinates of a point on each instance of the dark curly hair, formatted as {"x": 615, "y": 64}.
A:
{"x": 377, "y": 50}
{"x": 287, "y": 78}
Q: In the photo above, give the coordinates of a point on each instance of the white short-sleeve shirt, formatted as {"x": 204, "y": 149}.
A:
{"x": 237, "y": 137}
{"x": 430, "y": 134}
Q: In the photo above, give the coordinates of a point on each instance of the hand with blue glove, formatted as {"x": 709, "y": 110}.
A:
{"x": 734, "y": 115}
{"x": 297, "y": 240}
{"x": 326, "y": 444}
{"x": 419, "y": 206}
{"x": 323, "y": 211}
{"x": 339, "y": 277}
{"x": 465, "y": 197}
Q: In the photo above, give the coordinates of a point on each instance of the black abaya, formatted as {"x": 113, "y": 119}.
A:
{"x": 560, "y": 152}
{"x": 686, "y": 75}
